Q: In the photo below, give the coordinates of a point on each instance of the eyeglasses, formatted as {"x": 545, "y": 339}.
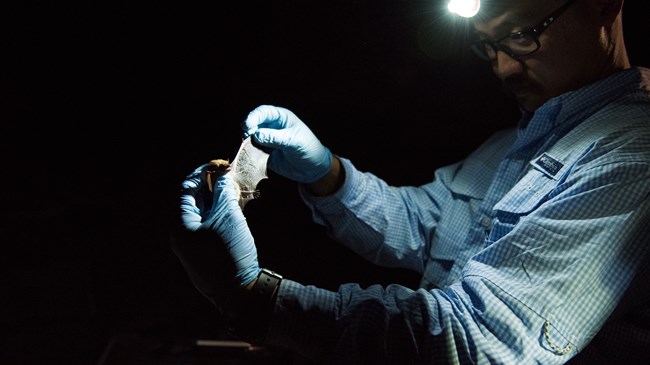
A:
{"x": 517, "y": 44}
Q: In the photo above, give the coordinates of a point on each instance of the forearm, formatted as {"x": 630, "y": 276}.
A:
{"x": 394, "y": 324}
{"x": 347, "y": 326}
{"x": 372, "y": 218}
{"x": 331, "y": 182}
{"x": 303, "y": 319}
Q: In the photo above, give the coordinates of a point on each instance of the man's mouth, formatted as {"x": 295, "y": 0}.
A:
{"x": 515, "y": 86}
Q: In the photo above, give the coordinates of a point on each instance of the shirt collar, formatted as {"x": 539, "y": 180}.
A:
{"x": 572, "y": 107}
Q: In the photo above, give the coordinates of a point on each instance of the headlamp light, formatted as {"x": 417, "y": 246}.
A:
{"x": 464, "y": 8}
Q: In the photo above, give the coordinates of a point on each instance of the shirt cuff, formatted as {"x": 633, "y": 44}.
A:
{"x": 331, "y": 204}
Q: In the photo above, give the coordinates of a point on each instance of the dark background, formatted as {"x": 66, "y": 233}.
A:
{"x": 108, "y": 106}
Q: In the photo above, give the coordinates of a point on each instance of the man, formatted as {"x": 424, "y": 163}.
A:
{"x": 533, "y": 250}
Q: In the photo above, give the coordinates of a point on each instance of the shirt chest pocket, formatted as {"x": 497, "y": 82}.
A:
{"x": 527, "y": 195}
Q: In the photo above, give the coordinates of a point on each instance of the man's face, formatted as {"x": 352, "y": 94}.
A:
{"x": 566, "y": 60}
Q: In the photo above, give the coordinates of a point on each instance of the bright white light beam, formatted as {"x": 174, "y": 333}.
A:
{"x": 464, "y": 8}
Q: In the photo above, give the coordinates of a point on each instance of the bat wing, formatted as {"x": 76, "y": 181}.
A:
{"x": 248, "y": 169}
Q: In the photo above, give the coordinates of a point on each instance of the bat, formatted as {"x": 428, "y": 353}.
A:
{"x": 248, "y": 168}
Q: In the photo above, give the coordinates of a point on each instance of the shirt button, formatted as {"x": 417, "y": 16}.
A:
{"x": 486, "y": 222}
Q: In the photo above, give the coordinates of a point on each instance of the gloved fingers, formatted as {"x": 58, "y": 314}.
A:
{"x": 198, "y": 203}
{"x": 267, "y": 116}
{"x": 225, "y": 217}
{"x": 276, "y": 138}
{"x": 229, "y": 221}
{"x": 191, "y": 199}
{"x": 226, "y": 194}
{"x": 193, "y": 181}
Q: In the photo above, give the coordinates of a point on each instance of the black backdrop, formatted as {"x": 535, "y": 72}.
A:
{"x": 109, "y": 106}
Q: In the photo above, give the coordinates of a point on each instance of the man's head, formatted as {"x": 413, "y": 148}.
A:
{"x": 541, "y": 49}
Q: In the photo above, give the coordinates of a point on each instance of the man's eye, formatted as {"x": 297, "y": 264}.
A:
{"x": 521, "y": 39}
{"x": 518, "y": 35}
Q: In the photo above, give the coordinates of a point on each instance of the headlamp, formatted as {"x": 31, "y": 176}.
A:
{"x": 464, "y": 8}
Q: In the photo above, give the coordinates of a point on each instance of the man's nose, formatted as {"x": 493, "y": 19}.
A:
{"x": 504, "y": 65}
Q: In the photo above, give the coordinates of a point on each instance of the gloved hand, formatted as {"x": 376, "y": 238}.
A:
{"x": 212, "y": 239}
{"x": 296, "y": 153}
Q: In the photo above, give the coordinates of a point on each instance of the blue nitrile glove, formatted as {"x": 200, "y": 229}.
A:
{"x": 218, "y": 249}
{"x": 296, "y": 153}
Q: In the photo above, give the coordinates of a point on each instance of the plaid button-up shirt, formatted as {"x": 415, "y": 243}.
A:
{"x": 529, "y": 248}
